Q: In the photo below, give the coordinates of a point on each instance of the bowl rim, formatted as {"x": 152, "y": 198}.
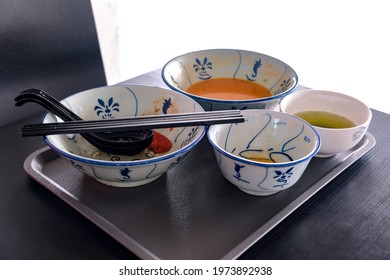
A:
{"x": 309, "y": 156}
{"x": 220, "y": 101}
{"x": 140, "y": 162}
{"x": 337, "y": 94}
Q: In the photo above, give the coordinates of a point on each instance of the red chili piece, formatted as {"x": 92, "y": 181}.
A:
{"x": 160, "y": 143}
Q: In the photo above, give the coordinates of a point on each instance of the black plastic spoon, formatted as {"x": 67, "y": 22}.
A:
{"x": 124, "y": 143}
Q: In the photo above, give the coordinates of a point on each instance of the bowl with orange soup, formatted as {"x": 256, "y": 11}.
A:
{"x": 267, "y": 153}
{"x": 224, "y": 79}
{"x": 340, "y": 119}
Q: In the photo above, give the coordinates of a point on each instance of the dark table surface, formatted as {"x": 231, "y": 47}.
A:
{"x": 347, "y": 219}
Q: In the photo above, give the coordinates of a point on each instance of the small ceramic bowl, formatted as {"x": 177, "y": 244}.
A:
{"x": 278, "y": 78}
{"x": 333, "y": 138}
{"x": 125, "y": 101}
{"x": 267, "y": 153}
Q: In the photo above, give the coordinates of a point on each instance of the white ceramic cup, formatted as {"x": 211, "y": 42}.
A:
{"x": 333, "y": 140}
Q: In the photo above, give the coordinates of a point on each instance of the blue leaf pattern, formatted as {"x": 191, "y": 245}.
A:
{"x": 105, "y": 110}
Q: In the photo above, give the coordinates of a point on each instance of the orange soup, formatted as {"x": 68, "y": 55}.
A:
{"x": 229, "y": 89}
{"x": 266, "y": 160}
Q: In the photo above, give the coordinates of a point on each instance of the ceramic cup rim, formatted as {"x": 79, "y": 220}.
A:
{"x": 284, "y": 102}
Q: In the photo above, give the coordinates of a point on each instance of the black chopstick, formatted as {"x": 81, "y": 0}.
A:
{"x": 147, "y": 118}
{"x": 66, "y": 127}
{"x": 135, "y": 123}
{"x": 136, "y": 119}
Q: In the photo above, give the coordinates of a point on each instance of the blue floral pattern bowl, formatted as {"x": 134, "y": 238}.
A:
{"x": 185, "y": 70}
{"x": 125, "y": 101}
{"x": 267, "y": 153}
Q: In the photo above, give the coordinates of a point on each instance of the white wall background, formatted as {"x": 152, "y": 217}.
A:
{"x": 336, "y": 45}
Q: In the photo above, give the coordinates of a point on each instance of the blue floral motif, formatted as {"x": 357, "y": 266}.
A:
{"x": 256, "y": 67}
{"x": 167, "y": 103}
{"x": 237, "y": 169}
{"x": 105, "y": 110}
{"x": 191, "y": 135}
{"x": 78, "y": 166}
{"x": 201, "y": 68}
{"x": 282, "y": 177}
{"x": 125, "y": 173}
{"x": 283, "y": 86}
{"x": 173, "y": 164}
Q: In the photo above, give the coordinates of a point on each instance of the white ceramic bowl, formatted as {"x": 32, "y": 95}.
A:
{"x": 185, "y": 70}
{"x": 125, "y": 101}
{"x": 287, "y": 141}
{"x": 333, "y": 140}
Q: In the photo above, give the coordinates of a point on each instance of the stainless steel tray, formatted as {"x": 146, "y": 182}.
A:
{"x": 191, "y": 212}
